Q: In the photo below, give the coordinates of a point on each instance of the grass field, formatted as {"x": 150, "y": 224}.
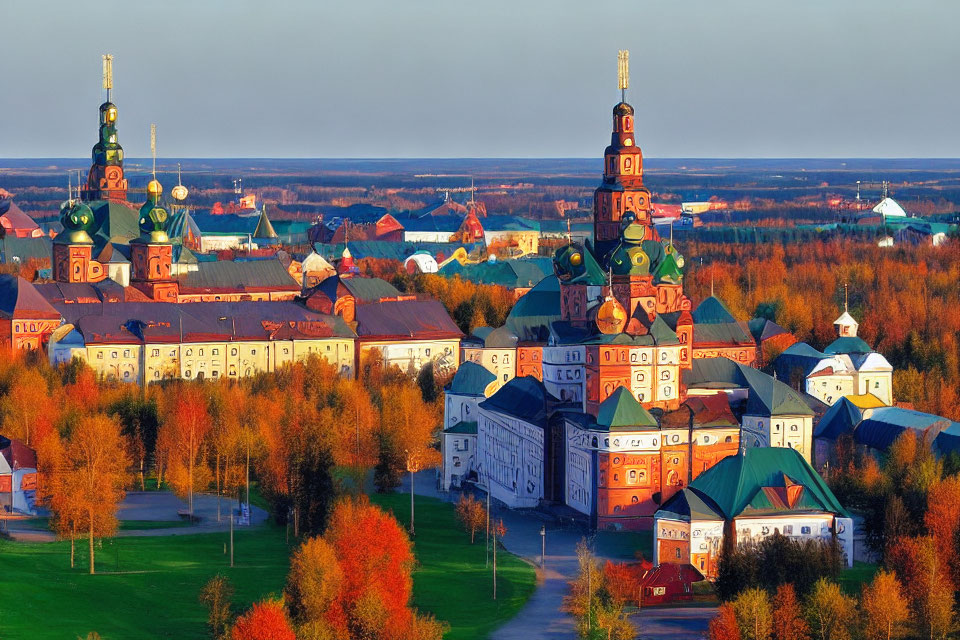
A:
{"x": 146, "y": 587}
{"x": 853, "y": 579}
{"x": 152, "y": 593}
{"x": 451, "y": 581}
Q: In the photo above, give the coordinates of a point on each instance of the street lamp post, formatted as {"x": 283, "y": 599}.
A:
{"x": 543, "y": 544}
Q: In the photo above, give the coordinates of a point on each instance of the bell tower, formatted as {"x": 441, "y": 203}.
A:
{"x": 622, "y": 187}
{"x": 151, "y": 255}
{"x": 105, "y": 181}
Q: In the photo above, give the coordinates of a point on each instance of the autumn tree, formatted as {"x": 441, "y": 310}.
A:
{"x": 830, "y": 613}
{"x": 266, "y": 620}
{"x": 943, "y": 523}
{"x": 724, "y": 625}
{"x": 752, "y": 608}
{"x": 91, "y": 479}
{"x": 597, "y": 614}
{"x": 215, "y": 596}
{"x": 471, "y": 514}
{"x": 185, "y": 427}
{"x": 26, "y": 407}
{"x": 788, "y": 622}
{"x": 340, "y": 585}
{"x": 926, "y": 584}
{"x": 884, "y": 608}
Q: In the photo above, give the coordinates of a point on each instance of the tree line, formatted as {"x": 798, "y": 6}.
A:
{"x": 304, "y": 434}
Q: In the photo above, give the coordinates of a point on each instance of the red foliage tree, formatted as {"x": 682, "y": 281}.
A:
{"x": 724, "y": 626}
{"x": 264, "y": 621}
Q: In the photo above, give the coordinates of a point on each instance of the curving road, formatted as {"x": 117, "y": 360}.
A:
{"x": 543, "y": 616}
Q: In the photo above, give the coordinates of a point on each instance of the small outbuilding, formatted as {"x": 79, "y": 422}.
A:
{"x": 668, "y": 583}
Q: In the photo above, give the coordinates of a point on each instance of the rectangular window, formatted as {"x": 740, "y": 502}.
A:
{"x": 216, "y": 352}
{"x": 253, "y": 352}
{"x": 805, "y": 531}
{"x": 156, "y": 353}
{"x": 113, "y": 355}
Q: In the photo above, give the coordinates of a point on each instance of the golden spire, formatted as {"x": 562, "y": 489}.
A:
{"x": 108, "y": 73}
{"x": 153, "y": 148}
{"x": 623, "y": 73}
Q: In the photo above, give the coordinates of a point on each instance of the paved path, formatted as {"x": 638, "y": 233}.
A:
{"x": 543, "y": 615}
{"x": 160, "y": 506}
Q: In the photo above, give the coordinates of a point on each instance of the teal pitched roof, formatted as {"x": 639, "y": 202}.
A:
{"x": 736, "y": 483}
{"x": 687, "y": 505}
{"x": 471, "y": 379}
{"x": 662, "y": 333}
{"x": 712, "y": 311}
{"x": 849, "y": 344}
{"x": 766, "y": 395}
{"x": 533, "y": 313}
{"x": 465, "y": 428}
{"x": 842, "y": 418}
{"x": 368, "y": 289}
{"x": 769, "y": 396}
{"x": 592, "y": 273}
{"x": 621, "y": 411}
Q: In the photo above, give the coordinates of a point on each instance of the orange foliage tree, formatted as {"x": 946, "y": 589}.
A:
{"x": 943, "y": 522}
{"x": 788, "y": 622}
{"x": 183, "y": 434}
{"x": 88, "y": 486}
{"x": 884, "y": 608}
{"x": 471, "y": 514}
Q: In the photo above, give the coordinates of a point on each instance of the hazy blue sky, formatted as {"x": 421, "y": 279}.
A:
{"x": 450, "y": 78}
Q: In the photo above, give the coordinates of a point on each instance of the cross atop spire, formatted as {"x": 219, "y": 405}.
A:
{"x": 623, "y": 73}
{"x": 845, "y": 297}
{"x": 108, "y": 73}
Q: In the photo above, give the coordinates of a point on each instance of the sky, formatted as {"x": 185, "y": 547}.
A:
{"x": 487, "y": 78}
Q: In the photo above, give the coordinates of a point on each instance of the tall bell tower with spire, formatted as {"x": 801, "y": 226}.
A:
{"x": 105, "y": 181}
{"x": 622, "y": 187}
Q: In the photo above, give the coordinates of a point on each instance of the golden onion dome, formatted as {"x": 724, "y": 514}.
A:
{"x": 154, "y": 188}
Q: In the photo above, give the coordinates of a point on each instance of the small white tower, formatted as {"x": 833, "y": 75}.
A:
{"x": 846, "y": 326}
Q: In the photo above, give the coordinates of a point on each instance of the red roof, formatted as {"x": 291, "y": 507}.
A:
{"x": 20, "y": 299}
{"x": 17, "y": 454}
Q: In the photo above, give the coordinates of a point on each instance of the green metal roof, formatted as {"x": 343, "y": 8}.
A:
{"x": 466, "y": 428}
{"x": 736, "y": 483}
{"x": 471, "y": 379}
{"x": 766, "y": 395}
{"x": 621, "y": 411}
{"x": 369, "y": 289}
{"x": 712, "y": 311}
{"x": 720, "y": 333}
{"x": 769, "y": 396}
{"x": 531, "y": 316}
{"x": 669, "y": 271}
{"x": 662, "y": 333}
{"x": 849, "y": 344}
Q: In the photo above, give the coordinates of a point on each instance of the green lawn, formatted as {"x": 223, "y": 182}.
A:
{"x": 146, "y": 587}
{"x": 153, "y": 595}
{"x": 451, "y": 581}
{"x": 852, "y": 579}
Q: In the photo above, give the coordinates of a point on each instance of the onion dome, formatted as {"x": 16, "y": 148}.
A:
{"x": 622, "y": 109}
{"x": 77, "y": 220}
{"x": 153, "y": 217}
